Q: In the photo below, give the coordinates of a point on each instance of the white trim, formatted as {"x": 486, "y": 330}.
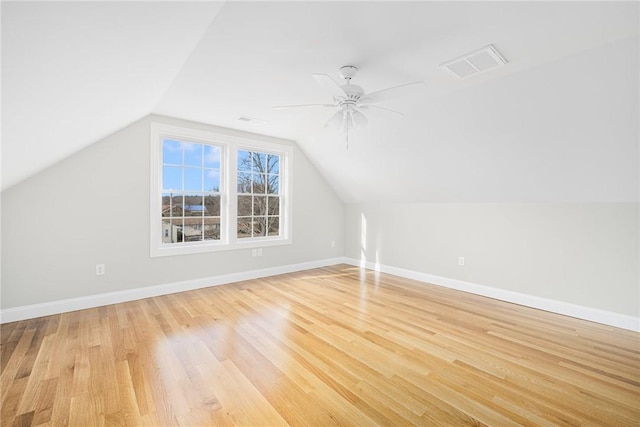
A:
{"x": 62, "y": 306}
{"x": 581, "y": 312}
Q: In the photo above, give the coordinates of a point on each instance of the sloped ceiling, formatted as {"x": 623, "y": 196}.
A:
{"x": 74, "y": 72}
{"x": 558, "y": 123}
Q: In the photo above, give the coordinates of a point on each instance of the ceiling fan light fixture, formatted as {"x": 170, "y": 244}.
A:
{"x": 349, "y": 124}
{"x": 335, "y": 122}
{"x": 359, "y": 120}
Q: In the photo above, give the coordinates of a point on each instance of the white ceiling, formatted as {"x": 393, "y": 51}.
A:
{"x": 74, "y": 72}
{"x": 559, "y": 122}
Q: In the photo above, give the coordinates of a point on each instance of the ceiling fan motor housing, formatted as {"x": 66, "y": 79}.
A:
{"x": 353, "y": 92}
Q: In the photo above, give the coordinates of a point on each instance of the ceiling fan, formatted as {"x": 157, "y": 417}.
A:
{"x": 350, "y": 99}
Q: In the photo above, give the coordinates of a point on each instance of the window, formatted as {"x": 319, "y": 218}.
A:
{"x": 213, "y": 192}
{"x": 190, "y": 191}
{"x": 258, "y": 194}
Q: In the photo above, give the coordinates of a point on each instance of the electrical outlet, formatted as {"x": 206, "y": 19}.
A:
{"x": 259, "y": 251}
{"x": 254, "y": 252}
{"x": 333, "y": 243}
{"x": 100, "y": 271}
{"x": 460, "y": 260}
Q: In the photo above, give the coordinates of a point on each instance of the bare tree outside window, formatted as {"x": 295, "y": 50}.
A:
{"x": 258, "y": 194}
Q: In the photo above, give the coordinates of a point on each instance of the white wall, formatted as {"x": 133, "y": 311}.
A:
{"x": 579, "y": 253}
{"x": 51, "y": 241}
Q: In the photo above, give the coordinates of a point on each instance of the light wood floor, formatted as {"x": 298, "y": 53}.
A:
{"x": 331, "y": 346}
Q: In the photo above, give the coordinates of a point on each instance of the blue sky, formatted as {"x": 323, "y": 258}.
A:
{"x": 201, "y": 164}
{"x": 189, "y": 166}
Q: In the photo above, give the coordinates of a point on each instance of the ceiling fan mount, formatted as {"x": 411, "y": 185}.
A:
{"x": 353, "y": 92}
{"x": 347, "y": 72}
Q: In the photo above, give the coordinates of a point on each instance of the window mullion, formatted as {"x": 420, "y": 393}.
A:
{"x": 231, "y": 178}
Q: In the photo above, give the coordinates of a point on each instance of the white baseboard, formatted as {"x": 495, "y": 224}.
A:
{"x": 62, "y": 306}
{"x": 581, "y": 312}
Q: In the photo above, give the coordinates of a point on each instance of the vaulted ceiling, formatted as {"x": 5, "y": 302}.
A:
{"x": 559, "y": 122}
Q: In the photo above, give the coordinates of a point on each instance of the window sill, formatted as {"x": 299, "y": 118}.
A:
{"x": 182, "y": 249}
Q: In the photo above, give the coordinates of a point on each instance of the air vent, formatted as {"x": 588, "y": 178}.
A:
{"x": 476, "y": 62}
{"x": 250, "y": 120}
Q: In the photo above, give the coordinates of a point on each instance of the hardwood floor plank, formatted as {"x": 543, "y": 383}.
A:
{"x": 330, "y": 346}
{"x": 32, "y": 393}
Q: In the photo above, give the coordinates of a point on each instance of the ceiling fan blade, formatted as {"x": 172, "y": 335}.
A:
{"x": 330, "y": 85}
{"x": 358, "y": 119}
{"x": 365, "y": 107}
{"x": 393, "y": 92}
{"x": 335, "y": 121}
{"x": 284, "y": 107}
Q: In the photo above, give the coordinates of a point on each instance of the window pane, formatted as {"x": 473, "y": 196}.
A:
{"x": 211, "y": 229}
{"x": 193, "y": 179}
{"x": 244, "y": 183}
{"x": 193, "y": 205}
{"x": 244, "y": 206}
{"x": 244, "y": 160}
{"x": 212, "y": 205}
{"x": 259, "y": 205}
{"x": 244, "y": 228}
{"x": 259, "y": 162}
{"x": 259, "y": 181}
{"x": 171, "y": 152}
{"x": 274, "y": 205}
{"x": 260, "y": 226}
{"x": 192, "y": 230}
{"x": 211, "y": 180}
{"x": 171, "y": 178}
{"x": 166, "y": 231}
{"x": 211, "y": 157}
{"x": 273, "y": 163}
{"x": 273, "y": 226}
{"x": 177, "y": 206}
{"x": 176, "y": 230}
{"x": 273, "y": 184}
{"x": 166, "y": 204}
{"x": 192, "y": 154}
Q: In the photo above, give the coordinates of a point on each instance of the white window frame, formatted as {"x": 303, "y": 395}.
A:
{"x": 228, "y": 189}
